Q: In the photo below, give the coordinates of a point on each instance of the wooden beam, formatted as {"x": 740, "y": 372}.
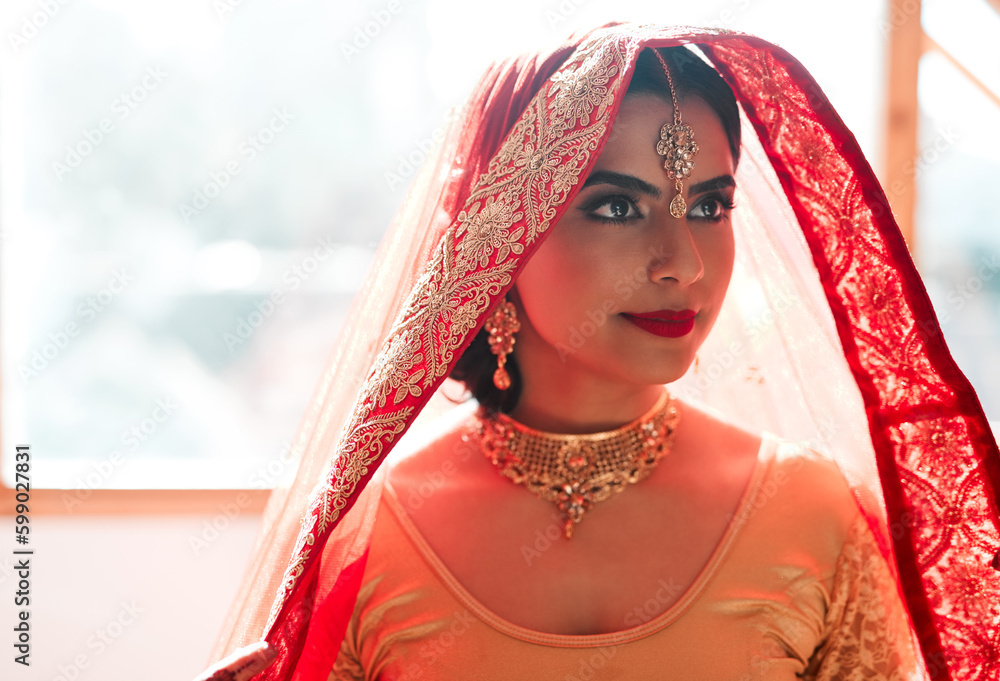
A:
{"x": 931, "y": 44}
{"x": 126, "y": 502}
{"x": 905, "y": 45}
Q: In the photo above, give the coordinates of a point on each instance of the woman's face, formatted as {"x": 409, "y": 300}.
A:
{"x": 598, "y": 294}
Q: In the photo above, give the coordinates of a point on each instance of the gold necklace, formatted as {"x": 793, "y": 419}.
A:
{"x": 577, "y": 471}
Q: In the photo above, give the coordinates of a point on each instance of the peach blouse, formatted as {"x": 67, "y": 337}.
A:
{"x": 796, "y": 589}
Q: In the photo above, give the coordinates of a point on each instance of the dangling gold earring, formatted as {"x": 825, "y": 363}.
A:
{"x": 501, "y": 326}
{"x": 696, "y": 363}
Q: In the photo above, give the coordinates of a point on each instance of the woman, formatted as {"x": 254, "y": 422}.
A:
{"x": 592, "y": 190}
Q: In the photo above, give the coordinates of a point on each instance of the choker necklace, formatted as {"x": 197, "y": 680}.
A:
{"x": 577, "y": 471}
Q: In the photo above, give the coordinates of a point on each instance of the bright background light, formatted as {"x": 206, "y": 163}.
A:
{"x": 323, "y": 185}
{"x": 203, "y": 248}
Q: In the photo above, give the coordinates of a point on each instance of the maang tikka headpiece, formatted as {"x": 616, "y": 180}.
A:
{"x": 678, "y": 146}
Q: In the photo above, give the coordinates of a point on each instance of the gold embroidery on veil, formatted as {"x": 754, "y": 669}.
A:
{"x": 512, "y": 204}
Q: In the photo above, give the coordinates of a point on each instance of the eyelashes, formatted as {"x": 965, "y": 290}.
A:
{"x": 724, "y": 202}
{"x": 620, "y": 208}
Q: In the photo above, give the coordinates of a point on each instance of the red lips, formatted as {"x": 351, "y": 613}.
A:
{"x": 667, "y": 323}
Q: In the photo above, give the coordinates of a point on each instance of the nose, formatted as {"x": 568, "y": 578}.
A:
{"x": 674, "y": 254}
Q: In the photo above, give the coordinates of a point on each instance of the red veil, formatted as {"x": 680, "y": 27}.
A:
{"x": 827, "y": 335}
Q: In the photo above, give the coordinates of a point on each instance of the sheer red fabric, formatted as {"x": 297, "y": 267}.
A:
{"x": 927, "y": 471}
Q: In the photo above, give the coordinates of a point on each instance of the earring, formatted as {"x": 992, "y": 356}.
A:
{"x": 696, "y": 363}
{"x": 501, "y": 326}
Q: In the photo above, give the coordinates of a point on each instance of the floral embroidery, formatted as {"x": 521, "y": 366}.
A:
{"x": 537, "y": 167}
{"x": 584, "y": 90}
{"x": 512, "y": 204}
{"x": 397, "y": 371}
{"x": 447, "y": 303}
{"x": 489, "y": 230}
{"x": 866, "y": 627}
{"x": 953, "y": 524}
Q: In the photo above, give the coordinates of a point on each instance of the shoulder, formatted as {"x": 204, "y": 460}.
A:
{"x": 710, "y": 454}
{"x": 810, "y": 475}
{"x": 441, "y": 455}
{"x": 790, "y": 464}
{"x": 795, "y": 483}
{"x": 804, "y": 496}
{"x": 704, "y": 429}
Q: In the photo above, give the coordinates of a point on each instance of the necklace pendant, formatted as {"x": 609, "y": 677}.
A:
{"x": 575, "y": 472}
{"x": 568, "y": 528}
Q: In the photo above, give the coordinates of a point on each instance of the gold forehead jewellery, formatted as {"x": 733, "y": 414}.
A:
{"x": 678, "y": 147}
{"x": 577, "y": 471}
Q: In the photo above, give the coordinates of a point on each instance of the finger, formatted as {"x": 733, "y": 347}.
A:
{"x": 241, "y": 665}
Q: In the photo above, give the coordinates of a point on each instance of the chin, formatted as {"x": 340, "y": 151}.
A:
{"x": 658, "y": 374}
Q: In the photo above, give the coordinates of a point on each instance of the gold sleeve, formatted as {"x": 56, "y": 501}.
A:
{"x": 347, "y": 666}
{"x": 867, "y": 627}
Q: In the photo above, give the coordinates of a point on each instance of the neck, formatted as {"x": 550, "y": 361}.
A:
{"x": 559, "y": 397}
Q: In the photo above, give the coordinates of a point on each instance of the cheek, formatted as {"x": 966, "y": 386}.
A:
{"x": 559, "y": 283}
{"x": 721, "y": 253}
{"x": 544, "y": 282}
{"x": 727, "y": 257}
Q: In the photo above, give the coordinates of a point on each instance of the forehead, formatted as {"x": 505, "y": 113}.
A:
{"x": 636, "y": 131}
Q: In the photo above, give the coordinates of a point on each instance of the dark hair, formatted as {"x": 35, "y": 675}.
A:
{"x": 692, "y": 77}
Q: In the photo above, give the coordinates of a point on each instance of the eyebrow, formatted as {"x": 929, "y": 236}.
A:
{"x": 627, "y": 182}
{"x": 634, "y": 184}
{"x": 715, "y": 183}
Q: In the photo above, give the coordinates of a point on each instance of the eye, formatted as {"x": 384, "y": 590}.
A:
{"x": 712, "y": 208}
{"x": 615, "y": 209}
